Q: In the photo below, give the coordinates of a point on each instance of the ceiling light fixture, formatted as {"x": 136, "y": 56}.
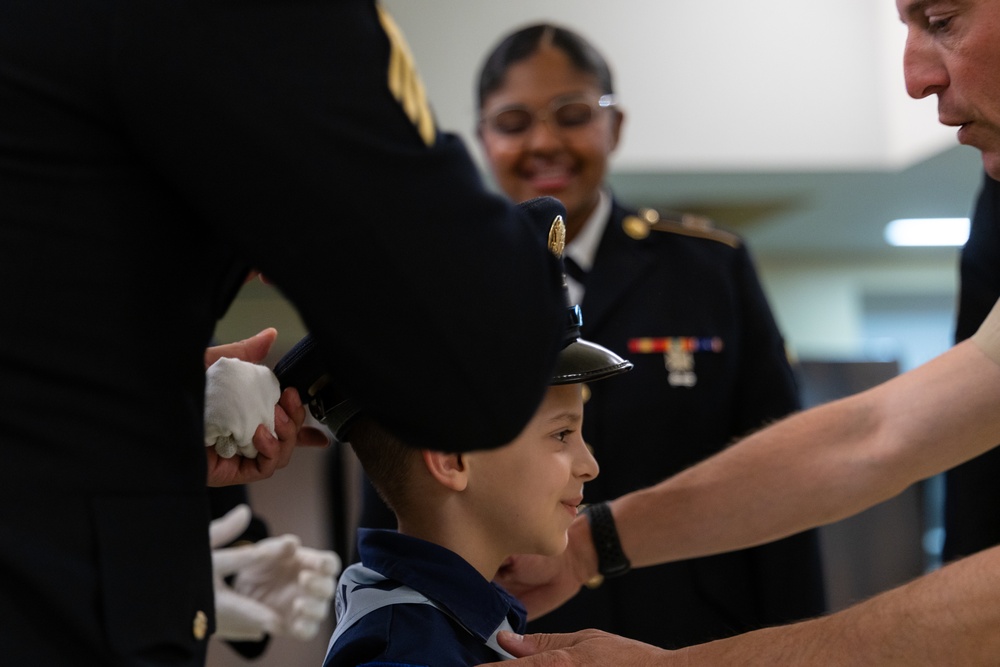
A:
{"x": 927, "y": 232}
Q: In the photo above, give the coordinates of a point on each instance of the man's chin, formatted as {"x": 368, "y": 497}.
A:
{"x": 991, "y": 163}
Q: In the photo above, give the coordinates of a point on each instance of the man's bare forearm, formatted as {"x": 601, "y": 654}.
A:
{"x": 820, "y": 465}
{"x": 949, "y": 617}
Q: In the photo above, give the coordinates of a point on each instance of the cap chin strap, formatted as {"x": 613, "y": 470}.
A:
{"x": 339, "y": 418}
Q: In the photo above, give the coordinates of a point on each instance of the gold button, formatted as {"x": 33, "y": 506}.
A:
{"x": 635, "y": 227}
{"x": 585, "y": 392}
{"x": 199, "y": 628}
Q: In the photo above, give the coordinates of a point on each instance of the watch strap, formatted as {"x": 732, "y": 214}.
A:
{"x": 611, "y": 560}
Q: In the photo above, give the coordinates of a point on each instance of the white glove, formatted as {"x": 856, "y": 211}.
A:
{"x": 280, "y": 587}
{"x": 239, "y": 396}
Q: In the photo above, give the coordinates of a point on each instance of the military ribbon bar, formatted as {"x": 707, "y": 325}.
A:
{"x": 675, "y": 343}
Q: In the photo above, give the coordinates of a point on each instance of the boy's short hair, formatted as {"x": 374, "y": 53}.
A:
{"x": 387, "y": 460}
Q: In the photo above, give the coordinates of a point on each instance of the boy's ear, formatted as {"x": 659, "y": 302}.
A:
{"x": 448, "y": 469}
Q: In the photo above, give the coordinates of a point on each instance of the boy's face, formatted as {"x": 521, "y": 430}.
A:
{"x": 528, "y": 491}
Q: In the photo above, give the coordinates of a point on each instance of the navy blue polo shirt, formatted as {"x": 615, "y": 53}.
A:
{"x": 453, "y": 633}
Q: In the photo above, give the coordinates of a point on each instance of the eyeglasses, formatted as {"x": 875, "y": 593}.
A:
{"x": 561, "y": 113}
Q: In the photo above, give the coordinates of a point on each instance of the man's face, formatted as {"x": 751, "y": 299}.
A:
{"x": 953, "y": 51}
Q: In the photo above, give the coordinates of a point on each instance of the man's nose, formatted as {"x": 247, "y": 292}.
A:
{"x": 923, "y": 69}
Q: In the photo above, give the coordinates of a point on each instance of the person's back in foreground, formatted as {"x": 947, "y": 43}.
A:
{"x": 153, "y": 154}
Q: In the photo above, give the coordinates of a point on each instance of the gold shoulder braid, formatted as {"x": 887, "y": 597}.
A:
{"x": 404, "y": 82}
{"x": 687, "y": 224}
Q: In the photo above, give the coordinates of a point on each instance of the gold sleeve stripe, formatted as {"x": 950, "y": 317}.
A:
{"x": 404, "y": 81}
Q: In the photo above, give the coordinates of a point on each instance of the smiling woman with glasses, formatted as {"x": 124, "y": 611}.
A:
{"x": 549, "y": 119}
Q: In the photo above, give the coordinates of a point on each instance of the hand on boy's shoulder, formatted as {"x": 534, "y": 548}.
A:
{"x": 540, "y": 583}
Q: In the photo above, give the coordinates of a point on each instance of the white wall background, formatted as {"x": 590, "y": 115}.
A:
{"x": 714, "y": 84}
{"x": 824, "y": 307}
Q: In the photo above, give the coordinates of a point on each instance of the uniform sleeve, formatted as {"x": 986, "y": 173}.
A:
{"x": 296, "y": 133}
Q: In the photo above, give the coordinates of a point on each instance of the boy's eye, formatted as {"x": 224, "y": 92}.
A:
{"x": 562, "y": 435}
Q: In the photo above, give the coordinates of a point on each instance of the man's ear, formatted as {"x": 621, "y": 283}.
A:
{"x": 448, "y": 469}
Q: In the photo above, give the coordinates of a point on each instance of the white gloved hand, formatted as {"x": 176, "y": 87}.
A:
{"x": 280, "y": 587}
{"x": 237, "y": 617}
{"x": 239, "y": 396}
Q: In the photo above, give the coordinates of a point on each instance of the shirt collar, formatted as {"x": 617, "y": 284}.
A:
{"x": 444, "y": 577}
{"x": 583, "y": 248}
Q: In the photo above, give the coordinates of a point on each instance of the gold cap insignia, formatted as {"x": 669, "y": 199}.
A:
{"x": 557, "y": 236}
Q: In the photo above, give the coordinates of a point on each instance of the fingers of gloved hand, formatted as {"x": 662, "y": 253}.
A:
{"x": 278, "y": 551}
{"x": 261, "y": 563}
{"x": 247, "y": 450}
{"x": 273, "y": 577}
{"x": 316, "y": 585}
{"x": 228, "y": 527}
{"x": 319, "y": 560}
{"x": 246, "y": 558}
{"x": 307, "y": 616}
{"x": 238, "y": 618}
{"x": 311, "y": 608}
{"x": 304, "y": 629}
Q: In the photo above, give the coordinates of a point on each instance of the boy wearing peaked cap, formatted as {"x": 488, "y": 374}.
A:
{"x": 424, "y": 594}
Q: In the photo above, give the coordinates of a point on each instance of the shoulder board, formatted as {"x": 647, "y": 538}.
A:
{"x": 687, "y": 224}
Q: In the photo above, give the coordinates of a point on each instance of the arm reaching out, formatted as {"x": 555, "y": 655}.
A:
{"x": 948, "y": 617}
{"x": 810, "y": 469}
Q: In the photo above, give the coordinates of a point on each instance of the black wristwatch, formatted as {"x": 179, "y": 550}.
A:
{"x": 611, "y": 560}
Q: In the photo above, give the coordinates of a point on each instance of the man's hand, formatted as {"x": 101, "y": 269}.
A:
{"x": 589, "y": 648}
{"x": 544, "y": 583}
{"x": 273, "y": 452}
{"x": 540, "y": 583}
{"x": 253, "y": 349}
